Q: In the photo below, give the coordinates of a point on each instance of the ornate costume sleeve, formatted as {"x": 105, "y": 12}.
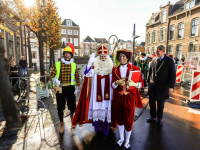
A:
{"x": 53, "y": 73}
{"x": 77, "y": 76}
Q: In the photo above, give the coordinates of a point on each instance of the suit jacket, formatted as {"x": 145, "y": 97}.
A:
{"x": 117, "y": 76}
{"x": 165, "y": 78}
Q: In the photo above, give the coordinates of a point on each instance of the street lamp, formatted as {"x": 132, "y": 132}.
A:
{"x": 134, "y": 37}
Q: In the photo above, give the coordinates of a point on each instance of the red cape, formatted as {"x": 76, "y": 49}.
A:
{"x": 81, "y": 114}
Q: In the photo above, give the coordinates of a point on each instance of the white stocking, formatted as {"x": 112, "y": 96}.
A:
{"x": 121, "y": 134}
{"x": 128, "y": 134}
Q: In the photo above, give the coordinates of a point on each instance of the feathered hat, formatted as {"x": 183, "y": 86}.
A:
{"x": 69, "y": 48}
{"x": 124, "y": 51}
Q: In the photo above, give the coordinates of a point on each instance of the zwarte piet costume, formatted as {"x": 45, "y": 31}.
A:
{"x": 124, "y": 100}
{"x": 66, "y": 74}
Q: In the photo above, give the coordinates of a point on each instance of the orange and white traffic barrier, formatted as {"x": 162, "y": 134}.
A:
{"x": 195, "y": 86}
{"x": 179, "y": 73}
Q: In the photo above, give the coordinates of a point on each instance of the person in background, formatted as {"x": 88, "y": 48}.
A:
{"x": 182, "y": 59}
{"x": 13, "y": 68}
{"x": 176, "y": 61}
{"x": 150, "y": 59}
{"x": 12, "y": 59}
{"x": 143, "y": 65}
{"x": 136, "y": 60}
{"x": 23, "y": 65}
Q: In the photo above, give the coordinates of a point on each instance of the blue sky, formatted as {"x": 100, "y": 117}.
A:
{"x": 102, "y": 18}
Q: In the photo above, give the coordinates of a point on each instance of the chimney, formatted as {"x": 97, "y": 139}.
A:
{"x": 168, "y": 3}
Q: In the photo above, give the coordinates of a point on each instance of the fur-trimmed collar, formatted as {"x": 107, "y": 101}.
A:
{"x": 103, "y": 67}
{"x": 67, "y": 62}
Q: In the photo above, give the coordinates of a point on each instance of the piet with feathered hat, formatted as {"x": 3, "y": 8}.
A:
{"x": 66, "y": 81}
{"x": 125, "y": 96}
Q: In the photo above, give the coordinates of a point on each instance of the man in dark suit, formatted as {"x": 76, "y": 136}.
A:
{"x": 161, "y": 80}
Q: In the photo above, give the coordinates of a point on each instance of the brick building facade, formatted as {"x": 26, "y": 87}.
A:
{"x": 176, "y": 27}
{"x": 71, "y": 33}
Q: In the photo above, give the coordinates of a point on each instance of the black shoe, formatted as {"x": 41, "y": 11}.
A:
{"x": 159, "y": 122}
{"x": 151, "y": 119}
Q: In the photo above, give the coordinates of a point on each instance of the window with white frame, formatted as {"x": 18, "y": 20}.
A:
{"x": 75, "y": 32}
{"x": 71, "y": 40}
{"x": 63, "y": 31}
{"x": 148, "y": 51}
{"x": 64, "y": 40}
{"x": 152, "y": 20}
{"x": 171, "y": 49}
{"x": 153, "y": 50}
{"x": 75, "y": 41}
{"x": 69, "y": 32}
{"x": 162, "y": 34}
{"x": 69, "y": 23}
{"x": 193, "y": 47}
{"x": 154, "y": 36}
{"x": 189, "y": 5}
{"x": 180, "y": 30}
{"x": 163, "y": 17}
{"x": 171, "y": 32}
{"x": 149, "y": 37}
{"x": 179, "y": 50}
{"x": 195, "y": 27}
{"x": 76, "y": 52}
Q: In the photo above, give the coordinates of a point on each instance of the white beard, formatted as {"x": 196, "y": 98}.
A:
{"x": 103, "y": 67}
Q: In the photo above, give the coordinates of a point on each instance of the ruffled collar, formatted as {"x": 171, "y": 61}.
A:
{"x": 143, "y": 58}
{"x": 67, "y": 62}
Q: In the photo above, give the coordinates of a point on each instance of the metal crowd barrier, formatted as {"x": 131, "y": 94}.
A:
{"x": 23, "y": 86}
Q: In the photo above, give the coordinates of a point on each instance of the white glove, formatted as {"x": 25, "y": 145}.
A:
{"x": 55, "y": 81}
{"x": 131, "y": 83}
{"x": 91, "y": 60}
{"x": 77, "y": 90}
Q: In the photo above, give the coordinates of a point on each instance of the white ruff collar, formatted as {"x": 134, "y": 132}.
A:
{"x": 103, "y": 68}
{"x": 67, "y": 62}
{"x": 143, "y": 58}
